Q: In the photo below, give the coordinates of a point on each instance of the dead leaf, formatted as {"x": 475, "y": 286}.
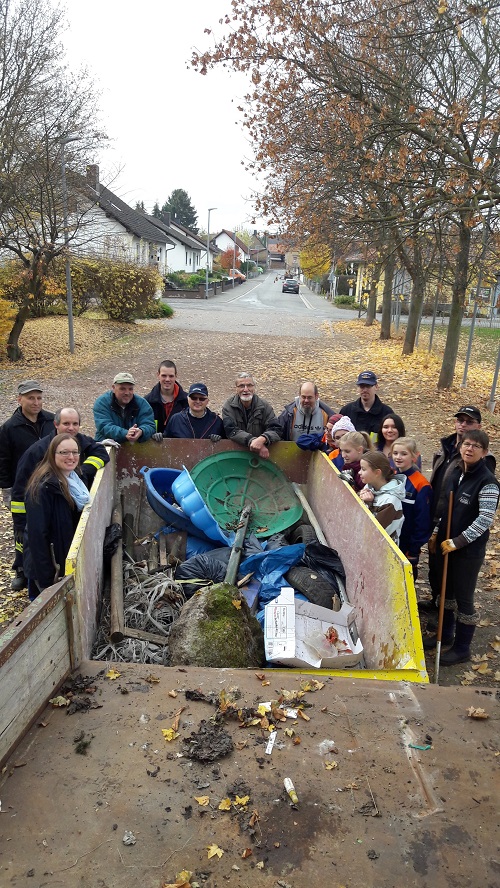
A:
{"x": 289, "y": 732}
{"x": 330, "y": 766}
{"x": 260, "y": 676}
{"x": 481, "y": 668}
{"x": 476, "y": 713}
{"x": 246, "y": 853}
{"x": 259, "y": 865}
{"x": 241, "y": 744}
{"x": 496, "y": 676}
{"x": 214, "y": 851}
{"x": 172, "y": 694}
{"x": 177, "y": 715}
{"x": 59, "y": 701}
{"x": 236, "y": 602}
{"x": 254, "y": 818}
{"x": 301, "y": 714}
{"x": 242, "y": 800}
{"x": 112, "y": 674}
{"x": 297, "y": 741}
{"x": 169, "y": 734}
{"x": 470, "y": 676}
{"x": 203, "y": 801}
{"x": 152, "y": 679}
{"x": 265, "y": 684}
{"x": 225, "y": 805}
{"x": 495, "y": 644}
{"x": 278, "y": 714}
{"x": 277, "y": 844}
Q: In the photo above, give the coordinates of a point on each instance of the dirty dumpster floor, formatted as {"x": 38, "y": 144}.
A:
{"x": 376, "y": 810}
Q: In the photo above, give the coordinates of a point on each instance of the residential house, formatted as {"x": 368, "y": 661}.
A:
{"x": 229, "y": 240}
{"x": 258, "y": 250}
{"x": 110, "y": 228}
{"x": 189, "y": 252}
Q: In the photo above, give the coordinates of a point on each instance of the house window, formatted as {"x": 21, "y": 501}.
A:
{"x": 186, "y": 257}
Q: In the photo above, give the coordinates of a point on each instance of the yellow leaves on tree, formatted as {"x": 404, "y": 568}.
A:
{"x": 315, "y": 260}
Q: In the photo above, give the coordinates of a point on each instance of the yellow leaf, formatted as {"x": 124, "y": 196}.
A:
{"x": 242, "y": 800}
{"x": 246, "y": 853}
{"x": 185, "y": 876}
{"x": 289, "y": 732}
{"x": 203, "y": 801}
{"x": 236, "y": 602}
{"x": 169, "y": 734}
{"x": 225, "y": 805}
{"x": 330, "y": 766}
{"x": 263, "y": 708}
{"x": 481, "y": 668}
{"x": 302, "y": 714}
{"x": 59, "y": 701}
{"x": 172, "y": 694}
{"x": 214, "y": 851}
{"x": 496, "y": 644}
{"x": 259, "y": 865}
{"x": 112, "y": 674}
{"x": 476, "y": 713}
{"x": 152, "y": 679}
{"x": 496, "y": 676}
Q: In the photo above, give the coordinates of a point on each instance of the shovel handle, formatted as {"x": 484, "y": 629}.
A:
{"x": 443, "y": 592}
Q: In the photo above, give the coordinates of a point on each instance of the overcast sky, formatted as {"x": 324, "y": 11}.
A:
{"x": 170, "y": 127}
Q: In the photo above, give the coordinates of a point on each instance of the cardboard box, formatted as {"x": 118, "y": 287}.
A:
{"x": 287, "y": 622}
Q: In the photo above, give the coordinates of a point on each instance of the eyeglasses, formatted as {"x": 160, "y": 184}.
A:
{"x": 246, "y": 385}
{"x": 468, "y": 446}
{"x": 465, "y": 421}
{"x": 74, "y": 453}
{"x": 198, "y": 397}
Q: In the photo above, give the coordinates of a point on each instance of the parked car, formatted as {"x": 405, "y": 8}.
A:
{"x": 236, "y": 274}
{"x": 290, "y": 286}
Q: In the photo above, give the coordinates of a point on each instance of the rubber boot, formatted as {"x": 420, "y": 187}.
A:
{"x": 460, "y": 652}
{"x": 19, "y": 582}
{"x": 447, "y": 634}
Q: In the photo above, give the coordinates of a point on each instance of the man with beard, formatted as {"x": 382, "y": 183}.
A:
{"x": 306, "y": 415}
{"x": 248, "y": 419}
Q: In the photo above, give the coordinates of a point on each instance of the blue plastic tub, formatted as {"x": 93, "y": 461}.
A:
{"x": 161, "y": 499}
{"x": 186, "y": 494}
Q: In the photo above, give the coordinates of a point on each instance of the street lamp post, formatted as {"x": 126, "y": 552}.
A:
{"x": 69, "y": 296}
{"x": 208, "y": 250}
{"x": 234, "y": 256}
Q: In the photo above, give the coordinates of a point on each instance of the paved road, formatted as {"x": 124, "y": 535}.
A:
{"x": 258, "y": 306}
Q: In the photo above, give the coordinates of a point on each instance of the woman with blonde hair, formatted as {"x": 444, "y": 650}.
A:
{"x": 55, "y": 497}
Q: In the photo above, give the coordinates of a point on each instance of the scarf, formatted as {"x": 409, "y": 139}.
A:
{"x": 78, "y": 490}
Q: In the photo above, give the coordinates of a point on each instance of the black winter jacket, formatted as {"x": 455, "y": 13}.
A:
{"x": 50, "y": 520}
{"x": 366, "y": 420}
{"x": 466, "y": 488}
{"x": 158, "y": 407}
{"x": 93, "y": 456}
{"x": 183, "y": 425}
{"x": 17, "y": 434}
{"x": 443, "y": 463}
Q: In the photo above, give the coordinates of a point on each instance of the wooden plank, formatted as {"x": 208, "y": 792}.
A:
{"x": 141, "y": 635}
{"x": 163, "y": 550}
{"x": 117, "y": 618}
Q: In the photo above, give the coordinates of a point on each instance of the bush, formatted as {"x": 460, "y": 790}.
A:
{"x": 15, "y": 287}
{"x": 345, "y": 300}
{"x": 159, "y": 310}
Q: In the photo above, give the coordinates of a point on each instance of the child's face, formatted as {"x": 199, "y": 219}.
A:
{"x": 337, "y": 437}
{"x": 402, "y": 458}
{"x": 350, "y": 453}
{"x": 369, "y": 475}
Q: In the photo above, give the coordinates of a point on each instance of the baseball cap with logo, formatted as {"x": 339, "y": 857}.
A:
{"x": 367, "y": 377}
{"x": 29, "y": 385}
{"x": 124, "y": 377}
{"x": 198, "y": 388}
{"x": 470, "y": 411}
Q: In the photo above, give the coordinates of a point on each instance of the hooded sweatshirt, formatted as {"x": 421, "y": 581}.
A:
{"x": 295, "y": 422}
{"x": 387, "y": 505}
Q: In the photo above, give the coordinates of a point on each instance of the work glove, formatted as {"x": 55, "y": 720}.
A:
{"x": 447, "y": 546}
{"x": 110, "y": 442}
{"x": 348, "y": 477}
{"x": 6, "y": 497}
{"x": 158, "y": 436}
{"x": 432, "y": 544}
{"x": 215, "y": 438}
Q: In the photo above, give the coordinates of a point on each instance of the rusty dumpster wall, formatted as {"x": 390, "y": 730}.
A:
{"x": 379, "y": 579}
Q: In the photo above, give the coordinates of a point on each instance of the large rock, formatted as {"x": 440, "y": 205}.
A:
{"x": 211, "y": 631}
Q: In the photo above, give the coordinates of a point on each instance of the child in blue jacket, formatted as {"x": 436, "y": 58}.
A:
{"x": 417, "y": 526}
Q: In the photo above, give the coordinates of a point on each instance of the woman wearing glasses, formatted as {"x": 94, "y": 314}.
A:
{"x": 55, "y": 497}
{"x": 475, "y": 498}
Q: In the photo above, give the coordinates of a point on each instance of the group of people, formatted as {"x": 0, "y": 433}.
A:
{"x": 47, "y": 467}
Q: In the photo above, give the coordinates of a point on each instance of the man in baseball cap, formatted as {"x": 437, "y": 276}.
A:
{"x": 120, "y": 415}
{"x": 368, "y": 411}
{"x": 466, "y": 418}
{"x": 28, "y": 424}
{"x": 196, "y": 421}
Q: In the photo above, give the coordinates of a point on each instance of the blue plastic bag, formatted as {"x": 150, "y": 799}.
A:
{"x": 270, "y": 568}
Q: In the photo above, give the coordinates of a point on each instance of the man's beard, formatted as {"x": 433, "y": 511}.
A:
{"x": 246, "y": 398}
{"x": 307, "y": 410}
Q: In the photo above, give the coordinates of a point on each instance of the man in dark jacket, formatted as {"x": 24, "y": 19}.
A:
{"x": 167, "y": 397}
{"x": 306, "y": 415}
{"x": 249, "y": 420}
{"x": 28, "y": 424}
{"x": 93, "y": 456}
{"x": 197, "y": 421}
{"x": 467, "y": 419}
{"x": 368, "y": 411}
{"x": 122, "y": 415}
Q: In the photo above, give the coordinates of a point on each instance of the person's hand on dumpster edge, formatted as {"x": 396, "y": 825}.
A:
{"x": 215, "y": 438}
{"x": 158, "y": 436}
{"x": 432, "y": 544}
{"x": 110, "y": 442}
{"x": 447, "y": 546}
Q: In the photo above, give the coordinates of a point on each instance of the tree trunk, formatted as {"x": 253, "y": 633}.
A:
{"x": 371, "y": 309}
{"x": 457, "y": 307}
{"x": 14, "y": 353}
{"x": 385, "y": 327}
{"x": 417, "y": 298}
